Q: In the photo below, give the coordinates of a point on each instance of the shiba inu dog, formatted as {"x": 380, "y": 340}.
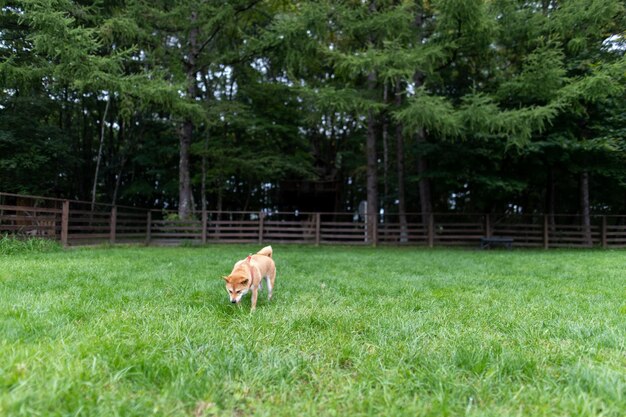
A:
{"x": 247, "y": 275}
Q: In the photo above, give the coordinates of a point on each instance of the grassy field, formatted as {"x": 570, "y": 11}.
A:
{"x": 351, "y": 332}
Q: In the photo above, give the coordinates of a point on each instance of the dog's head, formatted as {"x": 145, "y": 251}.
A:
{"x": 237, "y": 285}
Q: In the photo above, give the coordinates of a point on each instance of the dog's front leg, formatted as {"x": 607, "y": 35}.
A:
{"x": 255, "y": 294}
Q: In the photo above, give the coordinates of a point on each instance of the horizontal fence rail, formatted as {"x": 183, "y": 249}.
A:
{"x": 75, "y": 223}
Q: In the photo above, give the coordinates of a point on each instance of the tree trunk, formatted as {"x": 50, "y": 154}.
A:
{"x": 99, "y": 157}
{"x": 550, "y": 197}
{"x": 385, "y": 135}
{"x": 204, "y": 170}
{"x": 422, "y": 168}
{"x": 400, "y": 167}
{"x": 220, "y": 196}
{"x": 185, "y": 205}
{"x": 584, "y": 208}
{"x": 205, "y": 148}
{"x": 118, "y": 178}
{"x": 372, "y": 158}
{"x": 118, "y": 181}
{"x": 424, "y": 182}
{"x": 86, "y": 147}
{"x": 422, "y": 165}
{"x": 372, "y": 162}
{"x": 184, "y": 177}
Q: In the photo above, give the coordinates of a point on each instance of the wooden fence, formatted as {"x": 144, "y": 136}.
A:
{"x": 76, "y": 223}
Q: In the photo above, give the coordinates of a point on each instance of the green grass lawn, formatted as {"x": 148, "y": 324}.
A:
{"x": 351, "y": 331}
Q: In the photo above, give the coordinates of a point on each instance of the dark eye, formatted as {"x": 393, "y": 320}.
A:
{"x": 239, "y": 292}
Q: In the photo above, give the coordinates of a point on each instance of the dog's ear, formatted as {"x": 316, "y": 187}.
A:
{"x": 225, "y": 278}
{"x": 248, "y": 258}
{"x": 244, "y": 282}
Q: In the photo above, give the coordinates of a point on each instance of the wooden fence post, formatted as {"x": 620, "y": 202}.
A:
{"x": 318, "y": 227}
{"x": 261, "y": 221}
{"x": 546, "y": 238}
{"x": 149, "y": 227}
{"x": 431, "y": 230}
{"x": 113, "y": 224}
{"x": 205, "y": 219}
{"x": 65, "y": 221}
{"x": 603, "y": 234}
{"x": 374, "y": 230}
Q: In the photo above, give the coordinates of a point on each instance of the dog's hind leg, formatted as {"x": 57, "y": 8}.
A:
{"x": 255, "y": 293}
{"x": 269, "y": 286}
{"x": 270, "y": 283}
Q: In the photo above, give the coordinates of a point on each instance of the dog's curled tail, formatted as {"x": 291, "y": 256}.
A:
{"x": 267, "y": 251}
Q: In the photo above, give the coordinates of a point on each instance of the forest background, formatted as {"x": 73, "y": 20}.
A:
{"x": 503, "y": 106}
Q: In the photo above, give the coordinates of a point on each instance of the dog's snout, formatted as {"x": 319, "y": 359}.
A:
{"x": 233, "y": 301}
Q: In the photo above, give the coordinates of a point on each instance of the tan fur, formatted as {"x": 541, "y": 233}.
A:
{"x": 248, "y": 273}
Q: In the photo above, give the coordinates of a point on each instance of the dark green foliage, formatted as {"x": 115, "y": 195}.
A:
{"x": 36, "y": 156}
{"x": 513, "y": 101}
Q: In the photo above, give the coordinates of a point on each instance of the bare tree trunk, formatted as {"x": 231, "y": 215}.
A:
{"x": 422, "y": 168}
{"x": 246, "y": 202}
{"x": 99, "y": 157}
{"x": 400, "y": 167}
{"x": 205, "y": 149}
{"x": 424, "y": 182}
{"x": 584, "y": 207}
{"x": 385, "y": 134}
{"x": 204, "y": 169}
{"x": 86, "y": 143}
{"x": 185, "y": 204}
{"x": 372, "y": 158}
{"x": 118, "y": 181}
{"x": 220, "y": 196}
{"x": 118, "y": 178}
{"x": 551, "y": 197}
{"x": 184, "y": 177}
{"x": 372, "y": 165}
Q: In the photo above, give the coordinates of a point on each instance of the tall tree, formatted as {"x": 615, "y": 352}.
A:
{"x": 194, "y": 39}
{"x": 501, "y": 105}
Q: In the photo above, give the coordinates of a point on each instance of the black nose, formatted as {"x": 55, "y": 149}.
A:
{"x": 233, "y": 301}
